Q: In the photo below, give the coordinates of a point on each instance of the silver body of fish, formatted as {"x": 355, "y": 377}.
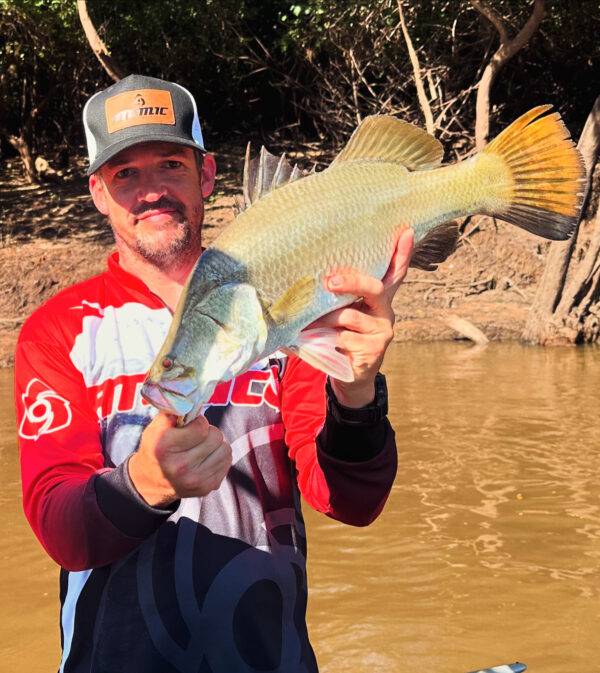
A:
{"x": 262, "y": 282}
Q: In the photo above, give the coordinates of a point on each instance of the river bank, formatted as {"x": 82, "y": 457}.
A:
{"x": 51, "y": 237}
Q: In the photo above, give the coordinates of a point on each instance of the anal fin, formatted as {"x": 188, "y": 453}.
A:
{"x": 435, "y": 247}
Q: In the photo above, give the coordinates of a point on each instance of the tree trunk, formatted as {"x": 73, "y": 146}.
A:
{"x": 22, "y": 146}
{"x": 98, "y": 47}
{"x": 565, "y": 309}
{"x": 507, "y": 49}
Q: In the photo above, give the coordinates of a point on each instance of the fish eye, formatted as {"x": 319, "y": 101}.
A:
{"x": 167, "y": 363}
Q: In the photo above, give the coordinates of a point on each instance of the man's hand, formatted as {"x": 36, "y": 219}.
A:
{"x": 366, "y": 328}
{"x": 173, "y": 463}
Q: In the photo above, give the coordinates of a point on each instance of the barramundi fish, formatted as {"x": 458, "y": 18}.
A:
{"x": 262, "y": 282}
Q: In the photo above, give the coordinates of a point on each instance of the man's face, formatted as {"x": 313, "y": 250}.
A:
{"x": 152, "y": 194}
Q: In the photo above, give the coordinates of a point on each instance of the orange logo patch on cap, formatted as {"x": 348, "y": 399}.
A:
{"x": 142, "y": 106}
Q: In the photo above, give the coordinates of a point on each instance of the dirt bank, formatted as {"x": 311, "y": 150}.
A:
{"x": 51, "y": 237}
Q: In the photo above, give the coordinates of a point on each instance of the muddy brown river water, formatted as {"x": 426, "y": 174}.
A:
{"x": 488, "y": 550}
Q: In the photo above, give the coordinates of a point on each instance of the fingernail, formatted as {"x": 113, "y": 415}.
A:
{"x": 335, "y": 281}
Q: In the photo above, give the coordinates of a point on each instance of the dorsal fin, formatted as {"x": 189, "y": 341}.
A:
{"x": 384, "y": 138}
{"x": 264, "y": 173}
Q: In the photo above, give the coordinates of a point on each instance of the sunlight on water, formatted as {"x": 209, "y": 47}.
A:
{"x": 29, "y": 632}
{"x": 488, "y": 550}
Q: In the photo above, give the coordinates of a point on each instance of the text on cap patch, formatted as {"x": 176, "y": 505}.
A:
{"x": 141, "y": 106}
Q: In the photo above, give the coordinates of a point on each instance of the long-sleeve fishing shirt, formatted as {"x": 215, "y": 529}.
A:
{"x": 210, "y": 585}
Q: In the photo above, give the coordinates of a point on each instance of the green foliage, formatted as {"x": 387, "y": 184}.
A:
{"x": 43, "y": 60}
{"x": 195, "y": 43}
{"x": 351, "y": 59}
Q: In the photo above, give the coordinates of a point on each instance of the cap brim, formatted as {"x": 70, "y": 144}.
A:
{"x": 121, "y": 145}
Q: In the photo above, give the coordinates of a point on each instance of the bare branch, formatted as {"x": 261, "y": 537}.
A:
{"x": 493, "y": 17}
{"x": 98, "y": 47}
{"x": 425, "y": 107}
{"x": 361, "y": 73}
{"x": 507, "y": 49}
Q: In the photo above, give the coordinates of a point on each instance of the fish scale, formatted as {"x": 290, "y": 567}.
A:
{"x": 319, "y": 242}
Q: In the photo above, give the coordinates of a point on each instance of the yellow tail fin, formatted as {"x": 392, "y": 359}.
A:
{"x": 543, "y": 174}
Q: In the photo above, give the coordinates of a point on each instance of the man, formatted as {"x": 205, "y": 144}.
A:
{"x": 183, "y": 549}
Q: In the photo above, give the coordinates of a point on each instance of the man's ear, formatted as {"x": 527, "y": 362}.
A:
{"x": 98, "y": 192}
{"x": 207, "y": 175}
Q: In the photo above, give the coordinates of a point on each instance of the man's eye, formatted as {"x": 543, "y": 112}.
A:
{"x": 173, "y": 163}
{"x": 124, "y": 173}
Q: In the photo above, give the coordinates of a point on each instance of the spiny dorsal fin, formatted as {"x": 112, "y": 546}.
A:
{"x": 438, "y": 244}
{"x": 384, "y": 138}
{"x": 264, "y": 173}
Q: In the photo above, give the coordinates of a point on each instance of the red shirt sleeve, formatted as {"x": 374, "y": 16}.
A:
{"x": 62, "y": 463}
{"x": 350, "y": 491}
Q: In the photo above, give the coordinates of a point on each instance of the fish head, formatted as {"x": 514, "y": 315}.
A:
{"x": 170, "y": 386}
{"x": 215, "y": 338}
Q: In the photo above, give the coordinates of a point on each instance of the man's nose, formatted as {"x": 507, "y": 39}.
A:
{"x": 150, "y": 187}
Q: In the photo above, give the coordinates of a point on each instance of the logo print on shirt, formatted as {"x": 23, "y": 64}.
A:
{"x": 250, "y": 389}
{"x": 44, "y": 411}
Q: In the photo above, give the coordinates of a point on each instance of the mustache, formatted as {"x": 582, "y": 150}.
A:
{"x": 163, "y": 202}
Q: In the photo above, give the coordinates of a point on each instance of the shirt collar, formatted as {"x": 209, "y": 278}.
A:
{"x": 130, "y": 282}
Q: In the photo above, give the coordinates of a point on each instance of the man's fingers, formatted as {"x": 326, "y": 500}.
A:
{"x": 370, "y": 289}
{"x": 375, "y": 343}
{"x": 198, "y": 475}
{"x": 179, "y": 462}
{"x": 184, "y": 438}
{"x": 400, "y": 260}
{"x": 162, "y": 421}
{"x": 346, "y": 318}
{"x": 356, "y": 283}
{"x": 216, "y": 460}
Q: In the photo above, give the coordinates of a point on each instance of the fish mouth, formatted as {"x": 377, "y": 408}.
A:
{"x": 168, "y": 397}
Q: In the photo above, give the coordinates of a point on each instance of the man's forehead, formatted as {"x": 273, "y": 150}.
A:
{"x": 154, "y": 148}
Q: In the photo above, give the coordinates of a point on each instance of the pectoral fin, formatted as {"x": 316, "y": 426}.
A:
{"x": 317, "y": 347}
{"x": 294, "y": 300}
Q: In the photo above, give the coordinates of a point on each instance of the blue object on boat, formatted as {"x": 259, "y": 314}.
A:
{"x": 517, "y": 667}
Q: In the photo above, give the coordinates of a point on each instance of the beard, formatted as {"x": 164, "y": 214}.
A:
{"x": 169, "y": 245}
{"x": 165, "y": 248}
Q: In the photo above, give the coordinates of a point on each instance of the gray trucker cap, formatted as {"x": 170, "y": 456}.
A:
{"x": 139, "y": 109}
